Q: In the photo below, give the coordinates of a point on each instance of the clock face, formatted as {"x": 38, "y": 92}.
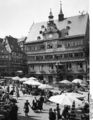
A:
{"x": 50, "y": 35}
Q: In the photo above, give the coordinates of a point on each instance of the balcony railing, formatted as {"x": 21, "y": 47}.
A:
{"x": 42, "y": 72}
{"x": 51, "y": 71}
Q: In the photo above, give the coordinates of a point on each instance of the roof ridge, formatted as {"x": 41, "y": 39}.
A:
{"x": 57, "y": 19}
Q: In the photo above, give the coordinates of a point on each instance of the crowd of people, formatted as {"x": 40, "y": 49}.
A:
{"x": 37, "y": 104}
{"x": 68, "y": 113}
{"x": 8, "y": 107}
{"x": 10, "y": 110}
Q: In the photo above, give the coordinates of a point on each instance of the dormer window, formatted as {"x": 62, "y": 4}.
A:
{"x": 69, "y": 22}
{"x": 40, "y": 32}
{"x": 42, "y": 26}
{"x": 38, "y": 37}
{"x": 67, "y": 27}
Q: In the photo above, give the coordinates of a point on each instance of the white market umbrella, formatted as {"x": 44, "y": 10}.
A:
{"x": 23, "y": 79}
{"x": 65, "y": 99}
{"x": 19, "y": 71}
{"x": 32, "y": 82}
{"x": 55, "y": 91}
{"x": 15, "y": 78}
{"x": 84, "y": 83}
{"x": 77, "y": 95}
{"x": 77, "y": 81}
{"x": 65, "y": 82}
{"x": 45, "y": 86}
{"x": 32, "y": 78}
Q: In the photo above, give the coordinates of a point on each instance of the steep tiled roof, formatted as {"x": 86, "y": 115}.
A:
{"x": 77, "y": 26}
{"x": 2, "y": 48}
{"x": 1, "y": 40}
{"x": 13, "y": 44}
{"x": 22, "y": 39}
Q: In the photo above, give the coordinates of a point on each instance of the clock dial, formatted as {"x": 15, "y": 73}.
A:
{"x": 50, "y": 35}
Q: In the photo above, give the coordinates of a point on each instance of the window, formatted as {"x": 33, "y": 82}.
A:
{"x": 41, "y": 47}
{"x": 49, "y": 45}
{"x": 68, "y": 44}
{"x": 41, "y": 67}
{"x": 80, "y": 65}
{"x": 32, "y": 48}
{"x": 32, "y": 66}
{"x": 51, "y": 66}
{"x": 70, "y": 55}
{"x": 59, "y": 44}
{"x": 31, "y": 58}
{"x": 69, "y": 65}
{"x": 76, "y": 43}
{"x": 39, "y": 58}
{"x": 71, "y": 44}
{"x": 48, "y": 57}
{"x": 76, "y": 55}
{"x": 65, "y": 55}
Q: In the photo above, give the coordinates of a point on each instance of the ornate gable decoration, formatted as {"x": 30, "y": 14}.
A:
{"x": 51, "y": 31}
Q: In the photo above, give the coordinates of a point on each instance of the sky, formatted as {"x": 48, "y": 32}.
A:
{"x": 17, "y": 16}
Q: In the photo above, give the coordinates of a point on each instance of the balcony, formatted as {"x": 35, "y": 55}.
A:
{"x": 32, "y": 71}
{"x": 69, "y": 70}
{"x": 51, "y": 71}
{"x": 80, "y": 70}
{"x": 42, "y": 72}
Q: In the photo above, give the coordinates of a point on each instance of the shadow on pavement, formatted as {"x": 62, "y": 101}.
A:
{"x": 29, "y": 118}
{"x": 38, "y": 111}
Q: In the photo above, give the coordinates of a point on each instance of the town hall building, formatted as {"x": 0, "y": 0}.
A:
{"x": 59, "y": 49}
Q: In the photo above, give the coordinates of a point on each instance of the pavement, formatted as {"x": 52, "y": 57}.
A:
{"x": 43, "y": 115}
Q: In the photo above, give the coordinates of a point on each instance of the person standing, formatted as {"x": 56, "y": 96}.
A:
{"x": 26, "y": 107}
{"x": 13, "y": 112}
{"x": 51, "y": 114}
{"x": 41, "y": 101}
{"x": 17, "y": 92}
{"x": 58, "y": 112}
{"x": 54, "y": 114}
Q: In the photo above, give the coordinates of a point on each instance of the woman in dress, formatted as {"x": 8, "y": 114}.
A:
{"x": 26, "y": 107}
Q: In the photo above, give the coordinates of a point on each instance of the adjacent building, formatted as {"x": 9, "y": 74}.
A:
{"x": 59, "y": 49}
{"x": 12, "y": 58}
{"x": 4, "y": 58}
{"x": 21, "y": 43}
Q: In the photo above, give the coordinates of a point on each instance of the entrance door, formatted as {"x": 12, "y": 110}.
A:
{"x": 50, "y": 79}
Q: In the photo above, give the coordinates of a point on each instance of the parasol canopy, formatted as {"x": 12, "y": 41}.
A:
{"x": 32, "y": 78}
{"x": 65, "y": 99}
{"x": 45, "y": 86}
{"x": 23, "y": 79}
{"x": 77, "y": 95}
{"x": 15, "y": 78}
{"x": 65, "y": 82}
{"x": 77, "y": 81}
{"x": 32, "y": 82}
